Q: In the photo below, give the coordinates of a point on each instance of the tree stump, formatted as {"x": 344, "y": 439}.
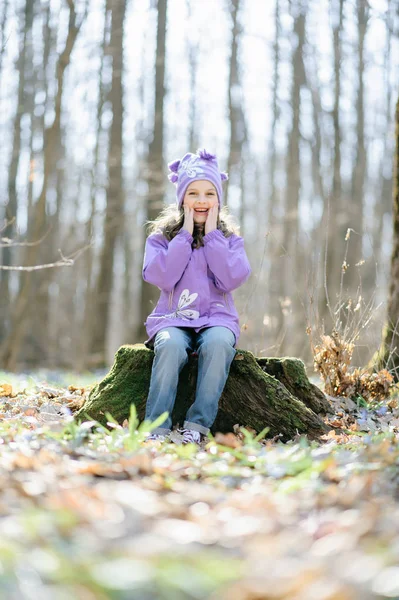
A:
{"x": 259, "y": 393}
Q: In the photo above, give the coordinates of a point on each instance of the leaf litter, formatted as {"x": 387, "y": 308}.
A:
{"x": 94, "y": 512}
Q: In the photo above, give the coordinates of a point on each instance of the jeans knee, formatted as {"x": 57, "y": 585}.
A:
{"x": 170, "y": 347}
{"x": 220, "y": 347}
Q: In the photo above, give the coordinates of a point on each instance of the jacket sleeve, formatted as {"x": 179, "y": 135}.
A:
{"x": 165, "y": 262}
{"x": 226, "y": 259}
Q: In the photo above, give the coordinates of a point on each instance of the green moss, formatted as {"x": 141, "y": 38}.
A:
{"x": 291, "y": 372}
{"x": 126, "y": 383}
{"x": 282, "y": 411}
{"x": 251, "y": 397}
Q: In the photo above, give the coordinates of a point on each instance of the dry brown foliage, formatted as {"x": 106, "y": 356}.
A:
{"x": 332, "y": 358}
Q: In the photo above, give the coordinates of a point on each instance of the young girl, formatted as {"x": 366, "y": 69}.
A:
{"x": 195, "y": 257}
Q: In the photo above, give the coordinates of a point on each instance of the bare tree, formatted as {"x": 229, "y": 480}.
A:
{"x": 3, "y": 40}
{"x": 388, "y": 355}
{"x": 11, "y": 208}
{"x": 334, "y": 219}
{"x": 273, "y": 220}
{"x": 155, "y": 160}
{"x": 238, "y": 128}
{"x": 89, "y": 318}
{"x": 37, "y": 312}
{"x": 11, "y": 345}
{"x": 383, "y": 182}
{"x": 63, "y": 179}
{"x": 359, "y": 176}
{"x": 115, "y": 198}
{"x": 289, "y": 310}
{"x": 193, "y": 49}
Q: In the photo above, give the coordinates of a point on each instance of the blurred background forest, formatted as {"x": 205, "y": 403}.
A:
{"x": 297, "y": 98}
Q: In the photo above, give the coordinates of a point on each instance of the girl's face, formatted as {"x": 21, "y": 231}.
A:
{"x": 201, "y": 196}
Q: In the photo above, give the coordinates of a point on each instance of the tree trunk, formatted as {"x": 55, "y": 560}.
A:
{"x": 258, "y": 393}
{"x": 238, "y": 128}
{"x": 270, "y": 274}
{"x": 290, "y": 311}
{"x": 333, "y": 220}
{"x": 11, "y": 206}
{"x": 3, "y": 40}
{"x": 82, "y": 358}
{"x": 115, "y": 201}
{"x": 155, "y": 162}
{"x": 37, "y": 348}
{"x": 193, "y": 53}
{"x": 388, "y": 354}
{"x": 10, "y": 348}
{"x": 383, "y": 184}
{"x": 359, "y": 177}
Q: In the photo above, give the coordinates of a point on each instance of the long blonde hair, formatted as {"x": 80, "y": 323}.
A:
{"x": 171, "y": 219}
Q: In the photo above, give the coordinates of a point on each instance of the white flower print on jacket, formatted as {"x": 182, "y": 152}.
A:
{"x": 182, "y": 312}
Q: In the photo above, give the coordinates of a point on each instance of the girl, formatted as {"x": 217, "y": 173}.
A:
{"x": 195, "y": 257}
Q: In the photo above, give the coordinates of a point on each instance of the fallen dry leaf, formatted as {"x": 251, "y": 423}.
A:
{"x": 228, "y": 439}
{"x": 5, "y": 389}
{"x": 99, "y": 469}
{"x": 30, "y": 412}
{"x": 79, "y": 390}
{"x": 337, "y": 517}
{"x": 76, "y": 404}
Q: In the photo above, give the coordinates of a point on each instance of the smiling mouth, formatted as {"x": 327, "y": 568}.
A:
{"x": 201, "y": 210}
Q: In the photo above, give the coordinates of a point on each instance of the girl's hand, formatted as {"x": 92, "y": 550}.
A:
{"x": 188, "y": 224}
{"x": 212, "y": 219}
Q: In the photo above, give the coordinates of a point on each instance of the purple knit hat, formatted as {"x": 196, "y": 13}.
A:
{"x": 193, "y": 167}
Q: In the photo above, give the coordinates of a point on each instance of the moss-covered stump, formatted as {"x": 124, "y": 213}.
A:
{"x": 252, "y": 397}
{"x": 292, "y": 374}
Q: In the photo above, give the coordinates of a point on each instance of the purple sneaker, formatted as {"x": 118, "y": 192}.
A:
{"x": 159, "y": 437}
{"x": 190, "y": 436}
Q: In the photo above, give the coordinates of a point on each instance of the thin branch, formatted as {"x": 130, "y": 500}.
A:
{"x": 65, "y": 261}
{"x": 7, "y": 224}
{"x": 8, "y": 243}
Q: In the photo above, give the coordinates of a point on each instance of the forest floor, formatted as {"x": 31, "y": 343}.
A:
{"x": 93, "y": 513}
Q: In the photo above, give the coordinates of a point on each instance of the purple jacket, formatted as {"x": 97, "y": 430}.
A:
{"x": 195, "y": 284}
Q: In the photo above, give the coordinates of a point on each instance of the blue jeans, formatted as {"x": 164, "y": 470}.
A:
{"x": 215, "y": 348}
